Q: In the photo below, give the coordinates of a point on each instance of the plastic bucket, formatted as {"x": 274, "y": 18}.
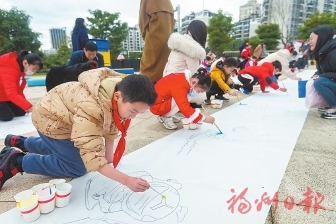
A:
{"x": 302, "y": 88}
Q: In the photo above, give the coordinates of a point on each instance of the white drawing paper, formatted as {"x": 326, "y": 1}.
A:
{"x": 206, "y": 178}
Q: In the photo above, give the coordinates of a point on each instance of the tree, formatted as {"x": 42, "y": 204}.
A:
{"x": 60, "y": 58}
{"x": 16, "y": 35}
{"x": 315, "y": 20}
{"x": 269, "y": 33}
{"x": 105, "y": 25}
{"x": 280, "y": 14}
{"x": 220, "y": 31}
{"x": 254, "y": 41}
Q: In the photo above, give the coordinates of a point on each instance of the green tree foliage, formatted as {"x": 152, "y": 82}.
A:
{"x": 233, "y": 45}
{"x": 61, "y": 58}
{"x": 15, "y": 33}
{"x": 315, "y": 20}
{"x": 269, "y": 33}
{"x": 220, "y": 32}
{"x": 107, "y": 26}
{"x": 255, "y": 41}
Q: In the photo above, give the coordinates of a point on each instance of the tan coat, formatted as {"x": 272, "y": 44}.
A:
{"x": 156, "y": 23}
{"x": 81, "y": 111}
{"x": 258, "y": 51}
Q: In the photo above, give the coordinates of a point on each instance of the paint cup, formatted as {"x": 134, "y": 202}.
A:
{"x": 214, "y": 103}
{"x": 23, "y": 194}
{"x": 46, "y": 199}
{"x": 219, "y": 104}
{"x": 199, "y": 125}
{"x": 29, "y": 208}
{"x": 185, "y": 123}
{"x": 302, "y": 88}
{"x": 192, "y": 126}
{"x": 55, "y": 182}
{"x": 39, "y": 187}
{"x": 63, "y": 194}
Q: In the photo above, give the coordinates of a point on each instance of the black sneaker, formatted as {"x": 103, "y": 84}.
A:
{"x": 195, "y": 105}
{"x": 16, "y": 141}
{"x": 8, "y": 164}
{"x": 221, "y": 98}
{"x": 323, "y": 109}
{"x": 329, "y": 114}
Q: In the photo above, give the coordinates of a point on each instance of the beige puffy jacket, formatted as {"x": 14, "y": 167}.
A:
{"x": 81, "y": 111}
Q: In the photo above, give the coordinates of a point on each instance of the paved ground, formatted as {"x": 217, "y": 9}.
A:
{"x": 312, "y": 166}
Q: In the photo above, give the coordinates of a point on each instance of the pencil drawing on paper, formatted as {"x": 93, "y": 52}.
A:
{"x": 191, "y": 142}
{"x": 112, "y": 197}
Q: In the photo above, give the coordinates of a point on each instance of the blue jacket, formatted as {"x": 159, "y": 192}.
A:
{"x": 79, "y": 38}
{"x": 79, "y": 57}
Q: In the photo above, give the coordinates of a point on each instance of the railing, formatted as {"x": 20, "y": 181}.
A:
{"x": 235, "y": 53}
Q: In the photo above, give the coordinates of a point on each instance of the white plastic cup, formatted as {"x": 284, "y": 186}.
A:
{"x": 55, "y": 182}
{"x": 46, "y": 199}
{"x": 23, "y": 194}
{"x": 219, "y": 104}
{"x": 29, "y": 208}
{"x": 199, "y": 125}
{"x": 63, "y": 192}
{"x": 214, "y": 103}
{"x": 192, "y": 126}
{"x": 185, "y": 123}
{"x": 39, "y": 187}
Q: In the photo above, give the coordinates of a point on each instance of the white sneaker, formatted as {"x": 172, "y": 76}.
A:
{"x": 177, "y": 119}
{"x": 167, "y": 122}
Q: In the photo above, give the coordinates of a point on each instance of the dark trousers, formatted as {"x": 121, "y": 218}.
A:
{"x": 214, "y": 89}
{"x": 9, "y": 110}
{"x": 247, "y": 84}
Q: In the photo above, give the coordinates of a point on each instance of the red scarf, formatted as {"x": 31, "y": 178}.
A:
{"x": 122, "y": 127}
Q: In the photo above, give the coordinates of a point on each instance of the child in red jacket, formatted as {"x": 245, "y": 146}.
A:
{"x": 174, "y": 92}
{"x": 13, "y": 69}
{"x": 262, "y": 74}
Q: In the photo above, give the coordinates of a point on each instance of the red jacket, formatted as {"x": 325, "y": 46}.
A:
{"x": 10, "y": 77}
{"x": 246, "y": 53}
{"x": 175, "y": 86}
{"x": 263, "y": 72}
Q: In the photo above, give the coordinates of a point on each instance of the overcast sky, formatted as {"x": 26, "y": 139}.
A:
{"x": 48, "y": 14}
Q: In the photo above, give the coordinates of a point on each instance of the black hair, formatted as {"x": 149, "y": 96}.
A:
{"x": 277, "y": 65}
{"x": 254, "y": 57}
{"x": 293, "y": 53}
{"x": 208, "y": 58}
{"x": 137, "y": 88}
{"x": 32, "y": 59}
{"x": 204, "y": 79}
{"x": 224, "y": 55}
{"x": 229, "y": 62}
{"x": 91, "y": 46}
{"x": 198, "y": 31}
{"x": 79, "y": 22}
{"x": 324, "y": 33}
{"x": 91, "y": 65}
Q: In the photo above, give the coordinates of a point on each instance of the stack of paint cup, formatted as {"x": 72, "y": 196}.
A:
{"x": 190, "y": 126}
{"x": 216, "y": 103}
{"x": 43, "y": 198}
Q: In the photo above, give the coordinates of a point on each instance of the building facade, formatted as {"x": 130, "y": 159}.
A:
{"x": 204, "y": 15}
{"x": 134, "y": 41}
{"x": 249, "y": 20}
{"x": 251, "y": 8}
{"x": 290, "y": 14}
{"x": 58, "y": 37}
